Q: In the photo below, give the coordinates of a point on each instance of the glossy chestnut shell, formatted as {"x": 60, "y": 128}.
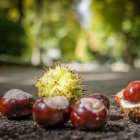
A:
{"x": 51, "y": 111}
{"x": 132, "y": 92}
{"x": 15, "y": 103}
{"x": 89, "y": 114}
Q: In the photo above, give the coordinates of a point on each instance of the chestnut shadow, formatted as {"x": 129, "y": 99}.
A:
{"x": 23, "y": 118}
{"x": 65, "y": 127}
{"x": 107, "y": 128}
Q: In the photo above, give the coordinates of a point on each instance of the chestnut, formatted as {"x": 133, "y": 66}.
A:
{"x": 89, "y": 114}
{"x": 128, "y": 100}
{"x": 51, "y": 111}
{"x": 132, "y": 92}
{"x": 102, "y": 98}
{"x": 16, "y": 103}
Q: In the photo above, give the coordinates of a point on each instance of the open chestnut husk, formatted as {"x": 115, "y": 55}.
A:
{"x": 130, "y": 109}
{"x": 51, "y": 111}
{"x": 16, "y": 103}
{"x": 102, "y": 98}
{"x": 89, "y": 114}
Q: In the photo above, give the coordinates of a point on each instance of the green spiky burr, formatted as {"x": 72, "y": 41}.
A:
{"x": 60, "y": 81}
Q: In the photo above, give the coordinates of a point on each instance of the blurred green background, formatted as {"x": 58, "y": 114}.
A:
{"x": 45, "y": 31}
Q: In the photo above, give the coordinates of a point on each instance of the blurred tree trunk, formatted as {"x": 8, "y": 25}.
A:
{"x": 129, "y": 55}
{"x": 36, "y": 53}
{"x": 20, "y": 9}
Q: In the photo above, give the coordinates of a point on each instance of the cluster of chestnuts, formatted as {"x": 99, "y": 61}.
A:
{"x": 59, "y": 91}
{"x": 88, "y": 113}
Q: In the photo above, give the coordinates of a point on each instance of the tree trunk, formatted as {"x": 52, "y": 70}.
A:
{"x": 129, "y": 54}
{"x": 20, "y": 9}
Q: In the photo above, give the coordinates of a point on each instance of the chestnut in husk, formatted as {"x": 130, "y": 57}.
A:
{"x": 132, "y": 92}
{"x": 129, "y": 101}
{"x": 51, "y": 111}
{"x": 16, "y": 103}
{"x": 89, "y": 114}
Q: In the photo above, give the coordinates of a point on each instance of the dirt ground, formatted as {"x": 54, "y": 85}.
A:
{"x": 108, "y": 83}
{"x": 117, "y": 128}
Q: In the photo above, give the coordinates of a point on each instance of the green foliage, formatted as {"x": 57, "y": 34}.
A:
{"x": 56, "y": 26}
{"x": 119, "y": 20}
{"x": 113, "y": 35}
{"x": 12, "y": 37}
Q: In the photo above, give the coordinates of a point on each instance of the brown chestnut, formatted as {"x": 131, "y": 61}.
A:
{"x": 16, "y": 103}
{"x": 89, "y": 114}
{"x": 51, "y": 111}
{"x": 102, "y": 98}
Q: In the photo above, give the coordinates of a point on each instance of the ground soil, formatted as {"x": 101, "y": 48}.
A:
{"x": 118, "y": 127}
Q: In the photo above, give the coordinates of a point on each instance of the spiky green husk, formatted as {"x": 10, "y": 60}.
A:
{"x": 60, "y": 81}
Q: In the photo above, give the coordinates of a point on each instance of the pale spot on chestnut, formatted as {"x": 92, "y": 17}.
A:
{"x": 126, "y": 104}
{"x": 102, "y": 98}
{"x": 17, "y": 94}
{"x": 92, "y": 104}
{"x": 57, "y": 102}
